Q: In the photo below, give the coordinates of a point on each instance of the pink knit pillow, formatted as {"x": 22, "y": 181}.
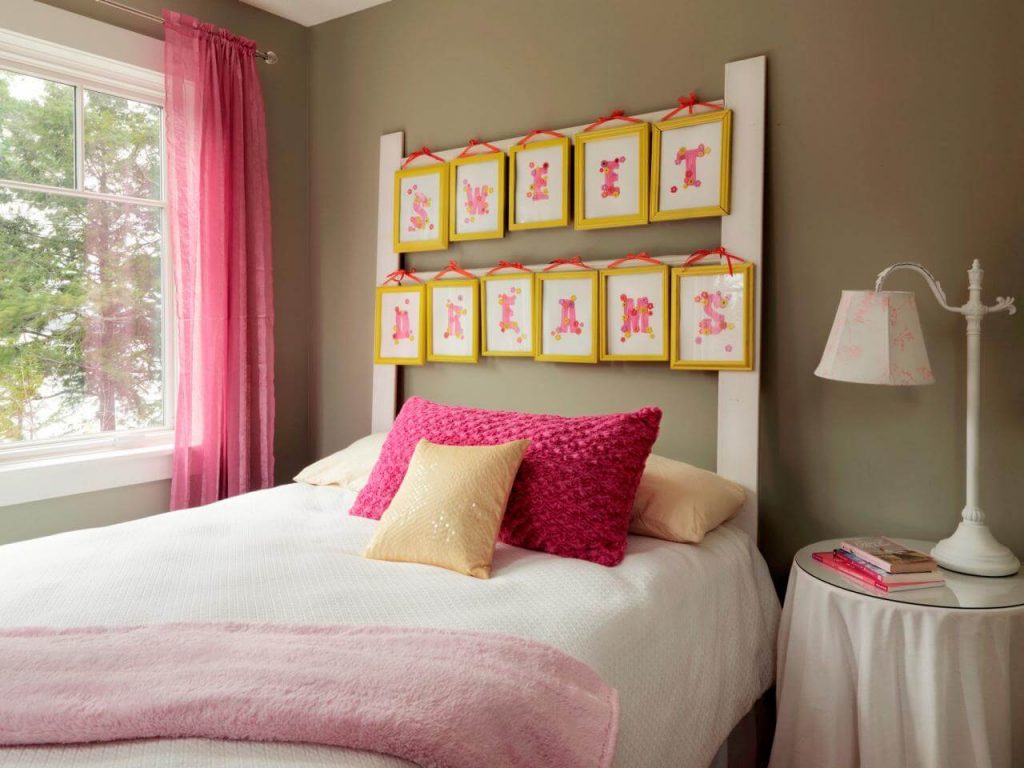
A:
{"x": 574, "y": 492}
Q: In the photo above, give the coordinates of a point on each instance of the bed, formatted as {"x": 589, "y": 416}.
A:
{"x": 685, "y": 633}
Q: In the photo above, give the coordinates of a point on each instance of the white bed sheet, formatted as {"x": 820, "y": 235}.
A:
{"x": 685, "y": 633}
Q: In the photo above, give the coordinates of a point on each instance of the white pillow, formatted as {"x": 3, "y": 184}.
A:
{"x": 350, "y": 467}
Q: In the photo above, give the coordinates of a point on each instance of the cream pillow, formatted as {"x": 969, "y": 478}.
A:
{"x": 448, "y": 509}
{"x": 680, "y": 502}
{"x": 350, "y": 467}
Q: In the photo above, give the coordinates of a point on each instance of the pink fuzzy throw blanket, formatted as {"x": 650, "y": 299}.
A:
{"x": 433, "y": 697}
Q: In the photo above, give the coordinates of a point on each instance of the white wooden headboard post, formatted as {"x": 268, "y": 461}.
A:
{"x": 385, "y": 377}
{"x": 738, "y": 392}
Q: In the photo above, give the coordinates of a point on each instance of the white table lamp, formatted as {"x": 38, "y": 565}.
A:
{"x": 876, "y": 339}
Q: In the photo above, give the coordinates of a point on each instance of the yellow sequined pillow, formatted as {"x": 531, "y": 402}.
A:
{"x": 448, "y": 510}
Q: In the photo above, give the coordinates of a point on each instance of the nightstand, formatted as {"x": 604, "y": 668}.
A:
{"x": 931, "y": 678}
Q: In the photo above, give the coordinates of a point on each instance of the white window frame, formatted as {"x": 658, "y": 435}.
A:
{"x": 37, "y": 470}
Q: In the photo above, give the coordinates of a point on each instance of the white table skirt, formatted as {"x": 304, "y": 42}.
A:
{"x": 873, "y": 683}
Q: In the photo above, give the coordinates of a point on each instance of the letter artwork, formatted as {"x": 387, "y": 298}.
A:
{"x": 689, "y": 157}
{"x": 507, "y": 301}
{"x": 715, "y": 322}
{"x": 420, "y": 219}
{"x": 401, "y": 329}
{"x": 538, "y": 189}
{"x": 568, "y": 323}
{"x": 636, "y": 316}
{"x": 476, "y": 201}
{"x": 455, "y": 314}
{"x": 610, "y": 169}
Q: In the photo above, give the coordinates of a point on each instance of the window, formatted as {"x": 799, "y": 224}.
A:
{"x": 84, "y": 322}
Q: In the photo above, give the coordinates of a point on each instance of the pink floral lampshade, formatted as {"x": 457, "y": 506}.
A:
{"x": 876, "y": 339}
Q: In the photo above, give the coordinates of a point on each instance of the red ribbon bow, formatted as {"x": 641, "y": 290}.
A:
{"x": 508, "y": 265}
{"x": 618, "y": 114}
{"x": 538, "y": 132}
{"x": 575, "y": 261}
{"x": 400, "y": 274}
{"x": 452, "y": 266}
{"x": 475, "y": 143}
{"x": 688, "y": 102}
{"x": 421, "y": 152}
{"x": 721, "y": 252}
{"x": 641, "y": 256}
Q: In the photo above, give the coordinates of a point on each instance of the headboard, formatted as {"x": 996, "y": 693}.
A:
{"x": 741, "y": 233}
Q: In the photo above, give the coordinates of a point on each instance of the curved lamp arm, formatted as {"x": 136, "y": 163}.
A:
{"x": 972, "y": 307}
{"x": 913, "y": 266}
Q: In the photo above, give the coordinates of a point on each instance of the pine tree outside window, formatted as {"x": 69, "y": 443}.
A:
{"x": 85, "y": 331}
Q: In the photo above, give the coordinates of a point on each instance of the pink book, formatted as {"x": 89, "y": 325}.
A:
{"x": 830, "y": 560}
{"x": 892, "y": 579}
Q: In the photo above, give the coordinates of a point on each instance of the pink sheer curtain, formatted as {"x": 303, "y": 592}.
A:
{"x": 219, "y": 213}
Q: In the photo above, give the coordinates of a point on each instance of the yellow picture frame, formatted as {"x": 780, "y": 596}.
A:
{"x": 661, "y": 310}
{"x": 485, "y": 347}
{"x": 433, "y": 286}
{"x": 520, "y": 152}
{"x": 455, "y": 208}
{"x": 439, "y": 243}
{"x": 676, "y": 359}
{"x": 420, "y": 356}
{"x": 586, "y": 142}
{"x": 658, "y": 142}
{"x": 538, "y": 319}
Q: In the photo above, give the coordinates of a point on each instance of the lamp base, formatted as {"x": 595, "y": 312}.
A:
{"x": 972, "y": 549}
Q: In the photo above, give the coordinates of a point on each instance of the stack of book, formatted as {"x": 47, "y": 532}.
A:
{"x": 883, "y": 564}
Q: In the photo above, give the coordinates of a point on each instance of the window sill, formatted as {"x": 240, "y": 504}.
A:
{"x": 48, "y": 478}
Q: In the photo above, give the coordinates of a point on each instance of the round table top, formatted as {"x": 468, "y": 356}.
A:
{"x": 960, "y": 590}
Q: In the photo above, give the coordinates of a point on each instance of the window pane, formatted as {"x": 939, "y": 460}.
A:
{"x": 37, "y": 130}
{"x": 122, "y": 146}
{"x": 80, "y": 316}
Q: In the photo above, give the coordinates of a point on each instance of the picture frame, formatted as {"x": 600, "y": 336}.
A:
{"x": 421, "y": 209}
{"x": 612, "y": 177}
{"x": 635, "y": 313}
{"x": 453, "y": 321}
{"x": 538, "y": 195}
{"x": 684, "y": 183}
{"x": 476, "y": 197}
{"x": 400, "y": 313}
{"x": 566, "y": 316}
{"x": 507, "y": 315}
{"x": 711, "y": 333}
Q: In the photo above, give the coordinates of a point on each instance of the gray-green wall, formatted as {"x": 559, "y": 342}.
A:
{"x": 286, "y": 93}
{"x": 87, "y": 510}
{"x": 894, "y": 132}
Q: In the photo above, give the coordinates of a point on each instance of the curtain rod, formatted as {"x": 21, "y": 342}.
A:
{"x": 268, "y": 56}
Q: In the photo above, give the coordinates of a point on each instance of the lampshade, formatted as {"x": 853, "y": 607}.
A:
{"x": 876, "y": 339}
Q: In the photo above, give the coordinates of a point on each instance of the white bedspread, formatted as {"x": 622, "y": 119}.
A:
{"x": 686, "y": 634}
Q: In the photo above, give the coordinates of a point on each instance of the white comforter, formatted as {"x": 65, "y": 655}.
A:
{"x": 686, "y": 634}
